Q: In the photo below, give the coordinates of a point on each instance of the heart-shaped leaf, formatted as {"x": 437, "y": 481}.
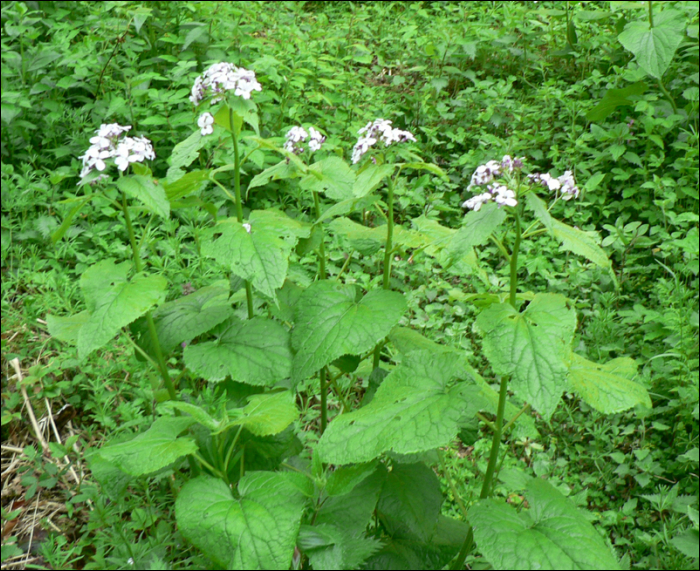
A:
{"x": 114, "y": 301}
{"x": 330, "y": 322}
{"x": 144, "y": 189}
{"x": 259, "y": 255}
{"x": 551, "y": 535}
{"x": 154, "y": 449}
{"x": 417, "y": 407}
{"x": 607, "y": 388}
{"x": 256, "y": 352}
{"x": 531, "y": 346}
{"x": 256, "y": 531}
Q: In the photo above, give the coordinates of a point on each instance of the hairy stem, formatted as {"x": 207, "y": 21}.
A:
{"x": 239, "y": 204}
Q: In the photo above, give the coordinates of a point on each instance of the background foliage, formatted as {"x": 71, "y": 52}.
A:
{"x": 556, "y": 83}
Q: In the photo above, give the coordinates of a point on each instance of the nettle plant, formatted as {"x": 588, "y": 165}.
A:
{"x": 359, "y": 490}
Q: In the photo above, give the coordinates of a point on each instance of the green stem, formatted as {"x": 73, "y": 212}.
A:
{"x": 321, "y": 248}
{"x": 514, "y": 261}
{"x": 324, "y": 404}
{"x": 346, "y": 263}
{"x": 239, "y": 204}
{"x": 496, "y": 441}
{"x": 149, "y": 319}
{"x": 389, "y": 234}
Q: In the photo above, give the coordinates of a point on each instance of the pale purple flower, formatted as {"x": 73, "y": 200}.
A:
{"x": 206, "y": 124}
{"x": 297, "y": 135}
{"x": 109, "y": 144}
{"x": 379, "y": 130}
{"x": 564, "y": 184}
{"x": 222, "y": 77}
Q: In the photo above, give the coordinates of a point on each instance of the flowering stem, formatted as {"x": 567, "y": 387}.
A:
{"x": 514, "y": 261}
{"x": 239, "y": 205}
{"x": 389, "y": 233}
{"x": 149, "y": 319}
{"x": 321, "y": 248}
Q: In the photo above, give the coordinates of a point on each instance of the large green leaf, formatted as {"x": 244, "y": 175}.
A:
{"x": 186, "y": 184}
{"x": 255, "y": 352}
{"x": 615, "y": 98}
{"x": 551, "y": 535}
{"x": 192, "y": 315}
{"x": 331, "y": 322}
{"x": 574, "y": 240}
{"x": 607, "y": 388}
{"x": 353, "y": 510}
{"x": 349, "y": 205}
{"x": 331, "y": 176}
{"x": 332, "y": 547}
{"x": 358, "y": 237}
{"x": 144, "y": 189}
{"x": 67, "y": 328}
{"x": 410, "y": 501}
{"x": 370, "y": 179}
{"x": 654, "y": 46}
{"x": 408, "y": 341}
{"x": 282, "y": 170}
{"x": 417, "y": 407}
{"x": 114, "y": 302}
{"x": 476, "y": 230}
{"x": 184, "y": 153}
{"x": 256, "y": 531}
{"x": 261, "y": 255}
{"x": 154, "y": 449}
{"x": 267, "y": 414}
{"x": 531, "y": 346}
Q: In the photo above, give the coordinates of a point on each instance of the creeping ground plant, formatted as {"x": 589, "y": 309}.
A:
{"x": 266, "y": 488}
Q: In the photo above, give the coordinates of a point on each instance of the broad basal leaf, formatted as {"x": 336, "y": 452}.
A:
{"x": 607, "y": 388}
{"x": 114, "y": 302}
{"x": 268, "y": 413}
{"x": 410, "y": 501}
{"x": 255, "y": 351}
{"x": 330, "y": 322}
{"x": 192, "y": 315}
{"x": 256, "y": 531}
{"x": 417, "y": 407}
{"x": 261, "y": 255}
{"x": 67, "y": 328}
{"x": 145, "y": 190}
{"x": 531, "y": 346}
{"x": 551, "y": 535}
{"x": 330, "y": 547}
{"x": 331, "y": 176}
{"x": 154, "y": 449}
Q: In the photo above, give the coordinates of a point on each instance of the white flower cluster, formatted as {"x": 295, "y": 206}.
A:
{"x": 499, "y": 193}
{"x": 564, "y": 184}
{"x": 206, "y": 124}
{"x": 380, "y": 130}
{"x": 298, "y": 135}
{"x": 484, "y": 174}
{"x": 107, "y": 145}
{"x": 222, "y": 77}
